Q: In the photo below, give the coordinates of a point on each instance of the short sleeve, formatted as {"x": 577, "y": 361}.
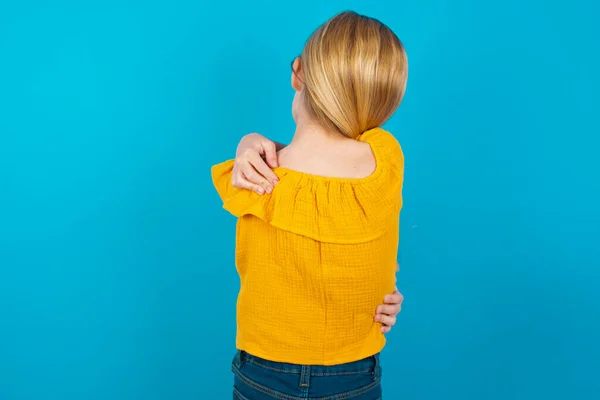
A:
{"x": 221, "y": 177}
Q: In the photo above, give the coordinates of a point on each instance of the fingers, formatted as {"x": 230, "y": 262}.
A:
{"x": 265, "y": 172}
{"x": 270, "y": 150}
{"x": 255, "y": 178}
{"x": 241, "y": 182}
{"x": 244, "y": 170}
{"x": 388, "y": 309}
{"x": 250, "y": 168}
{"x": 389, "y": 320}
{"x": 394, "y": 298}
{"x": 386, "y": 313}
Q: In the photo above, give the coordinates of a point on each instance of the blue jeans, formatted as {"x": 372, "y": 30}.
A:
{"x": 259, "y": 379}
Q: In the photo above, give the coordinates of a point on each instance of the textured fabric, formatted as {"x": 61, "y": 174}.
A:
{"x": 259, "y": 379}
{"x": 315, "y": 258}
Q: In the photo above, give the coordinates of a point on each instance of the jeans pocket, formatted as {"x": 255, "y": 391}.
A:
{"x": 249, "y": 387}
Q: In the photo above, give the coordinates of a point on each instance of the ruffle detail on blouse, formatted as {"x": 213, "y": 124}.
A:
{"x": 333, "y": 210}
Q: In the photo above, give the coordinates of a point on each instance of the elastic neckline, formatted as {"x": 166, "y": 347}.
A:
{"x": 362, "y": 138}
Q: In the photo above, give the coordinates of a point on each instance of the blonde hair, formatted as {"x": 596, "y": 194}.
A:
{"x": 354, "y": 71}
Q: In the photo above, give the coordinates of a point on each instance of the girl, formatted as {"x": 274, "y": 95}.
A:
{"x": 316, "y": 254}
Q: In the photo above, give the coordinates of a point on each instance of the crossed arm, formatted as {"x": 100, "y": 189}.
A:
{"x": 255, "y": 157}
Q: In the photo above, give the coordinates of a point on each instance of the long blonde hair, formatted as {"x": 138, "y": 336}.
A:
{"x": 354, "y": 71}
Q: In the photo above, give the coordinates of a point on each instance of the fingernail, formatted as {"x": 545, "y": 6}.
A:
{"x": 269, "y": 189}
{"x": 260, "y": 191}
{"x": 378, "y": 318}
{"x": 275, "y": 182}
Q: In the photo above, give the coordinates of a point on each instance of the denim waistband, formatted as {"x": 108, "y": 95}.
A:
{"x": 367, "y": 365}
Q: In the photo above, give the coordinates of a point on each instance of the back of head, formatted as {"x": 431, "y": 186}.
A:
{"x": 354, "y": 73}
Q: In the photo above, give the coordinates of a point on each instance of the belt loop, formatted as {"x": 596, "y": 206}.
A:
{"x": 305, "y": 377}
{"x": 376, "y": 367}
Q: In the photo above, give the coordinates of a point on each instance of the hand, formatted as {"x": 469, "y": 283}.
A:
{"x": 386, "y": 313}
{"x": 255, "y": 157}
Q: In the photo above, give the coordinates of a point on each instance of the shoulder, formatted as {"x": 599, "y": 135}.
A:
{"x": 388, "y": 154}
{"x": 385, "y": 146}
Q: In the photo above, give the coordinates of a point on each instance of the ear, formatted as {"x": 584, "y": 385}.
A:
{"x": 297, "y": 75}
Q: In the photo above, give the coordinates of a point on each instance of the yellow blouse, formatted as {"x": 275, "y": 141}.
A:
{"x": 315, "y": 259}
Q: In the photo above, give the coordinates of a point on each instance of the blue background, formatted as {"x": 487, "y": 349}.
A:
{"x": 117, "y": 275}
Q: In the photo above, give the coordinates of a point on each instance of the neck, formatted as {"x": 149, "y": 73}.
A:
{"x": 310, "y": 134}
